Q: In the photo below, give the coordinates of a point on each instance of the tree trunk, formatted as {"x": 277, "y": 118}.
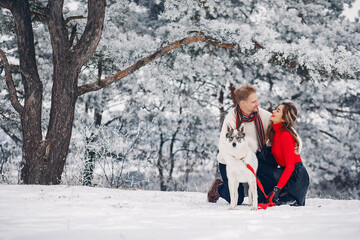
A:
{"x": 44, "y": 160}
{"x": 171, "y": 150}
{"x": 160, "y": 165}
{"x": 46, "y": 163}
{"x": 64, "y": 96}
{"x": 30, "y": 113}
{"x": 90, "y": 153}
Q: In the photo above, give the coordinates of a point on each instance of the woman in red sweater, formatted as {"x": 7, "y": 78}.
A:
{"x": 287, "y": 181}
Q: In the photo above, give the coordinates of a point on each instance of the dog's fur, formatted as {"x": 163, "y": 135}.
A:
{"x": 237, "y": 155}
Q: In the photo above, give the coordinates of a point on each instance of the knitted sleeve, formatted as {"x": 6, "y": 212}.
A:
{"x": 288, "y": 153}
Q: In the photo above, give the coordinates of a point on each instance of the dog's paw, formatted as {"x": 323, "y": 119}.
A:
{"x": 231, "y": 208}
{"x": 254, "y": 208}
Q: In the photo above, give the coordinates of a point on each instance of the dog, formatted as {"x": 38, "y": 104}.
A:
{"x": 237, "y": 155}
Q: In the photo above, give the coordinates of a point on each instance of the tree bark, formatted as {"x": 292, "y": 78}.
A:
{"x": 31, "y": 112}
{"x": 67, "y": 63}
{"x": 64, "y": 94}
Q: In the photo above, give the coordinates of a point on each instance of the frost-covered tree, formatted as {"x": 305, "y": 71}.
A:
{"x": 45, "y": 157}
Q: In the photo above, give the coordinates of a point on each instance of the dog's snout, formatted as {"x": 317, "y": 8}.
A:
{"x": 234, "y": 144}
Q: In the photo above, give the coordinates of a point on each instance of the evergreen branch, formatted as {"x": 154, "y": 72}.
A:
{"x": 10, "y": 83}
{"x": 199, "y": 37}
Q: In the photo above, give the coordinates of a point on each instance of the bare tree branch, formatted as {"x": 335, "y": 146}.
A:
{"x": 336, "y": 112}
{"x": 6, "y": 4}
{"x": 41, "y": 15}
{"x": 73, "y": 18}
{"x": 11, "y": 86}
{"x": 200, "y": 37}
{"x": 330, "y": 135}
{"x": 331, "y": 110}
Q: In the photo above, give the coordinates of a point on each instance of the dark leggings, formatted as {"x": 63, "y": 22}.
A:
{"x": 223, "y": 189}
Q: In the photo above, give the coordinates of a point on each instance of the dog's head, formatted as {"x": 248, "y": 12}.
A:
{"x": 236, "y": 142}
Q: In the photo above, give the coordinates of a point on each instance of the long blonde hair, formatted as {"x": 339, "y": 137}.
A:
{"x": 289, "y": 116}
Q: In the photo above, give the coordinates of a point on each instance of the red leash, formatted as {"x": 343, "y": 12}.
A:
{"x": 262, "y": 205}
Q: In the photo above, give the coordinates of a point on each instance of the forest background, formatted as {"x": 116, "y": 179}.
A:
{"x": 158, "y": 127}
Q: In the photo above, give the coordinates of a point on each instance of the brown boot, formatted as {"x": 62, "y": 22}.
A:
{"x": 213, "y": 195}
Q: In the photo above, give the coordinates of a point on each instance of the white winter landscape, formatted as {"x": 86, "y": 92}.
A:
{"x": 68, "y": 212}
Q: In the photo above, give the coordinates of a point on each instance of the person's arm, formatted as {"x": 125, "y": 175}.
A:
{"x": 288, "y": 149}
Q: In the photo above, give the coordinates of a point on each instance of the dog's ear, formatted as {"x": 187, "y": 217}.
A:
{"x": 228, "y": 128}
{"x": 230, "y": 131}
{"x": 242, "y": 128}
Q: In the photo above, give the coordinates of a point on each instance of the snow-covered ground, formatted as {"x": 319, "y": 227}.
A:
{"x": 63, "y": 212}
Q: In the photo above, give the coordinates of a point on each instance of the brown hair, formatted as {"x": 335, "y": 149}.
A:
{"x": 289, "y": 116}
{"x": 243, "y": 92}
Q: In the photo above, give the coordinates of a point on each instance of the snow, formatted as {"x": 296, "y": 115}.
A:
{"x": 76, "y": 212}
{"x": 353, "y": 12}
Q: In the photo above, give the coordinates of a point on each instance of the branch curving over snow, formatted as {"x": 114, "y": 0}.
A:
{"x": 290, "y": 61}
{"x": 199, "y": 37}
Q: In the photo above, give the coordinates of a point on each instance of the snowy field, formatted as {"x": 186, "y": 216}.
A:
{"x": 62, "y": 212}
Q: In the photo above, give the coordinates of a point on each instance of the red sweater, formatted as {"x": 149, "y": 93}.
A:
{"x": 283, "y": 149}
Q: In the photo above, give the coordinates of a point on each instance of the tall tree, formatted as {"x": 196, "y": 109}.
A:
{"x": 45, "y": 158}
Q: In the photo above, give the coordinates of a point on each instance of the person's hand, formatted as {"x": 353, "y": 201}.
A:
{"x": 274, "y": 194}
